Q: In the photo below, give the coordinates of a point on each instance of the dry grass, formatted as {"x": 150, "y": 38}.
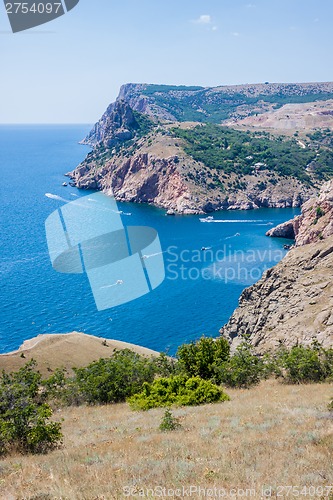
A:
{"x": 52, "y": 351}
{"x": 267, "y": 436}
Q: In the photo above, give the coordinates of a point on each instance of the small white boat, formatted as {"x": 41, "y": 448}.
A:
{"x": 207, "y": 219}
{"x": 64, "y": 184}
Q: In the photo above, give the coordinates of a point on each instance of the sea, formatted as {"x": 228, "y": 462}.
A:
{"x": 207, "y": 264}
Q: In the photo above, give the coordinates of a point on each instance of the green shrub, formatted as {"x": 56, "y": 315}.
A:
{"x": 165, "y": 366}
{"x": 179, "y": 390}
{"x": 62, "y": 390}
{"x": 115, "y": 379}
{"x": 203, "y": 358}
{"x": 24, "y": 416}
{"x": 243, "y": 369}
{"x": 169, "y": 422}
{"x": 304, "y": 364}
{"x": 330, "y": 406}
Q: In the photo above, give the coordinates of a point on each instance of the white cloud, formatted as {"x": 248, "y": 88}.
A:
{"x": 214, "y": 28}
{"x": 235, "y": 33}
{"x": 203, "y": 19}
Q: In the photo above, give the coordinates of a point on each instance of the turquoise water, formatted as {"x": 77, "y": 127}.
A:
{"x": 201, "y": 289}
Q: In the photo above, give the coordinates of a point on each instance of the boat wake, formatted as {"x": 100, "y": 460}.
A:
{"x": 144, "y": 257}
{"x": 117, "y": 283}
{"x": 232, "y": 221}
{"x": 56, "y": 197}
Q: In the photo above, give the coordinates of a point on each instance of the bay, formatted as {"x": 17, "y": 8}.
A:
{"x": 207, "y": 264}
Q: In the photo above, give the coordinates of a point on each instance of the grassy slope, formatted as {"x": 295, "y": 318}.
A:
{"x": 68, "y": 350}
{"x": 271, "y": 435}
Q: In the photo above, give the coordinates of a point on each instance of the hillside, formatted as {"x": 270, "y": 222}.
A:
{"x": 288, "y": 118}
{"x": 146, "y": 151}
{"x": 269, "y": 436}
{"x": 65, "y": 350}
{"x": 293, "y": 302}
{"x": 315, "y": 222}
{"x": 212, "y": 105}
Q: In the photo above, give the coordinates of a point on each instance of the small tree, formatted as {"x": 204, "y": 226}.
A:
{"x": 204, "y": 358}
{"x": 243, "y": 369}
{"x": 169, "y": 422}
{"x": 303, "y": 364}
{"x": 24, "y": 416}
{"x": 113, "y": 380}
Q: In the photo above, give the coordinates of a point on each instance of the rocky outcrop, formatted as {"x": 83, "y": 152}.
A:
{"x": 292, "y": 303}
{"x": 286, "y": 230}
{"x": 134, "y": 141}
{"x": 314, "y": 224}
{"x": 178, "y": 103}
{"x": 143, "y": 178}
{"x": 158, "y": 171}
{"x": 118, "y": 124}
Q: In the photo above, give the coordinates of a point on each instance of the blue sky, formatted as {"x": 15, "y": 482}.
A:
{"x": 69, "y": 70}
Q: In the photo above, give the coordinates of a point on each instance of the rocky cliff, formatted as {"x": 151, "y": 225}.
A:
{"x": 293, "y": 302}
{"x": 314, "y": 224}
{"x": 141, "y": 152}
{"x": 181, "y": 103}
{"x": 156, "y": 169}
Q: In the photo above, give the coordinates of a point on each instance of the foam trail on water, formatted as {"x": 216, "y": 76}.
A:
{"x": 119, "y": 282}
{"x": 221, "y": 221}
{"x": 56, "y": 197}
{"x": 100, "y": 208}
{"x": 152, "y": 255}
{"x": 233, "y": 236}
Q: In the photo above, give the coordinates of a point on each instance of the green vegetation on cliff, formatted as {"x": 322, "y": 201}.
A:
{"x": 244, "y": 152}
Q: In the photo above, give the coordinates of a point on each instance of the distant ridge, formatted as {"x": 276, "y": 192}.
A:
{"x": 211, "y": 104}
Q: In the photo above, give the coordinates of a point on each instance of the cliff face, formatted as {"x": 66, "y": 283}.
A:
{"x": 235, "y": 102}
{"x": 137, "y": 152}
{"x": 116, "y": 125}
{"x": 156, "y": 169}
{"x": 142, "y": 178}
{"x": 293, "y": 302}
{"x": 314, "y": 224}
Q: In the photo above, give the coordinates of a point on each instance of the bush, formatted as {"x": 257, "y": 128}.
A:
{"x": 115, "y": 379}
{"x": 165, "y": 366}
{"x": 304, "y": 364}
{"x": 203, "y": 358}
{"x": 169, "y": 422}
{"x": 178, "y": 390}
{"x": 61, "y": 390}
{"x": 244, "y": 368}
{"x": 24, "y": 416}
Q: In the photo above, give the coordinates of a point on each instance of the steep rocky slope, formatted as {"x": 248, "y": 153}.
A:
{"x": 293, "y": 302}
{"x": 314, "y": 224}
{"x": 179, "y": 103}
{"x": 156, "y": 169}
{"x": 145, "y": 151}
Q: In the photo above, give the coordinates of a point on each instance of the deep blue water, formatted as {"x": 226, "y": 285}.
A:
{"x": 201, "y": 289}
